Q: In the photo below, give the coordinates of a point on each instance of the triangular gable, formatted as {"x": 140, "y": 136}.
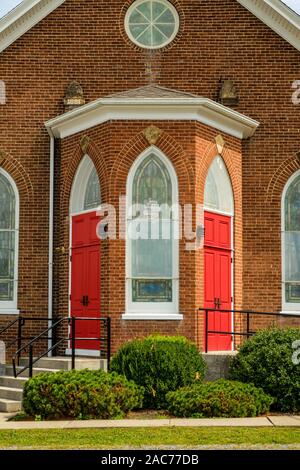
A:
{"x": 273, "y": 13}
{"x": 151, "y": 91}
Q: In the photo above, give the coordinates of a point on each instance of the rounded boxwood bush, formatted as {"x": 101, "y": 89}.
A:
{"x": 159, "y": 364}
{"x": 266, "y": 360}
{"x": 220, "y": 399}
{"x": 81, "y": 394}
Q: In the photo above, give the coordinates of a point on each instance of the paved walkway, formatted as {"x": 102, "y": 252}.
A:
{"x": 270, "y": 421}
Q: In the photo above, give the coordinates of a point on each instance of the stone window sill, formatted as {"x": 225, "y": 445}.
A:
{"x": 153, "y": 316}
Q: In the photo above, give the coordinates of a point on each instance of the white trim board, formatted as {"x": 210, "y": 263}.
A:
{"x": 195, "y": 108}
{"x": 275, "y": 14}
{"x": 24, "y": 17}
{"x": 152, "y": 316}
{"x": 278, "y": 16}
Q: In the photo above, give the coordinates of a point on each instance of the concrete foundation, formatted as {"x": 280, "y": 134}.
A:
{"x": 217, "y": 364}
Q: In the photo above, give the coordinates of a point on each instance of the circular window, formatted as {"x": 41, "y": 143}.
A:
{"x": 152, "y": 24}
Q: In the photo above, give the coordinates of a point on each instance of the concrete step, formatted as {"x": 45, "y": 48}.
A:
{"x": 11, "y": 393}
{"x": 10, "y": 406}
{"x": 65, "y": 363}
{"x": 11, "y": 388}
{"x": 10, "y": 371}
{"x": 7, "y": 381}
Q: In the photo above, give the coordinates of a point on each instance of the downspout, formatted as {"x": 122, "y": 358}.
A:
{"x": 51, "y": 224}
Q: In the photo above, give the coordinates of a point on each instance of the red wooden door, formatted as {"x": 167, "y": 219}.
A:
{"x": 85, "y": 280}
{"x": 218, "y": 279}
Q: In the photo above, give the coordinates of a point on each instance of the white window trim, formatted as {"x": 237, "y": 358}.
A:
{"x": 152, "y": 316}
{"x": 288, "y": 308}
{"x": 152, "y": 310}
{"x": 168, "y": 41}
{"x": 79, "y": 186}
{"x": 10, "y": 307}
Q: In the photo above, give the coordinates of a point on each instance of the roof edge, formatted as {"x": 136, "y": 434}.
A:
{"x": 199, "y": 109}
{"x": 23, "y": 17}
{"x": 278, "y": 16}
{"x": 274, "y": 13}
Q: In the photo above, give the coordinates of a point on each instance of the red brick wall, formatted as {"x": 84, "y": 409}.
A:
{"x": 85, "y": 41}
{"x": 113, "y": 148}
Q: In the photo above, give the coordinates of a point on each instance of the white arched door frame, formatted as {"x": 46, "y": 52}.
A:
{"x": 79, "y": 186}
{"x": 226, "y": 212}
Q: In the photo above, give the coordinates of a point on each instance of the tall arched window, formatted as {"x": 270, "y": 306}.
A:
{"x": 152, "y": 248}
{"x": 291, "y": 244}
{"x": 9, "y": 230}
{"x": 86, "y": 194}
{"x": 218, "y": 190}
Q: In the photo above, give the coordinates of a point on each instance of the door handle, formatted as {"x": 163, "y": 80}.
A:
{"x": 85, "y": 300}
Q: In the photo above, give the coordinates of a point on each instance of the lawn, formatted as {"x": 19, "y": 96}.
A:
{"x": 147, "y": 437}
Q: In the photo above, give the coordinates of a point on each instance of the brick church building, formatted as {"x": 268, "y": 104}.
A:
{"x": 121, "y": 116}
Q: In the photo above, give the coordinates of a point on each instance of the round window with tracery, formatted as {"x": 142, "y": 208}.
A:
{"x": 152, "y": 24}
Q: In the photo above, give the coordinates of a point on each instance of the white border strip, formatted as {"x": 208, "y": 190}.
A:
{"x": 199, "y": 109}
{"x": 278, "y": 16}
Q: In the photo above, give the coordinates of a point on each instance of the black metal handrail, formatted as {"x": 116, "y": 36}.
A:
{"x": 21, "y": 321}
{"x": 29, "y": 346}
{"x": 248, "y": 333}
{"x": 73, "y": 339}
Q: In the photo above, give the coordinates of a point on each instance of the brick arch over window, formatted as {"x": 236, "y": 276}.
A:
{"x": 21, "y": 178}
{"x": 96, "y": 156}
{"x": 280, "y": 178}
{"x": 204, "y": 166}
{"x": 136, "y": 146}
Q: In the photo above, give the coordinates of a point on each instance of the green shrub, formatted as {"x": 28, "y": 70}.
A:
{"x": 81, "y": 395}
{"x": 221, "y": 399}
{"x": 159, "y": 364}
{"x": 266, "y": 361}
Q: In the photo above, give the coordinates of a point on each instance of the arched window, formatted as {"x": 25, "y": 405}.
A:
{"x": 152, "y": 250}
{"x": 218, "y": 190}
{"x": 9, "y": 229}
{"x": 291, "y": 244}
{"x": 86, "y": 194}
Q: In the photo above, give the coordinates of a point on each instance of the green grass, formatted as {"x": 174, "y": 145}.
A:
{"x": 143, "y": 437}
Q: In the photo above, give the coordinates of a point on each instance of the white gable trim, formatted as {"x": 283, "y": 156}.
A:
{"x": 199, "y": 109}
{"x": 278, "y": 17}
{"x": 273, "y": 13}
{"x": 22, "y": 18}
